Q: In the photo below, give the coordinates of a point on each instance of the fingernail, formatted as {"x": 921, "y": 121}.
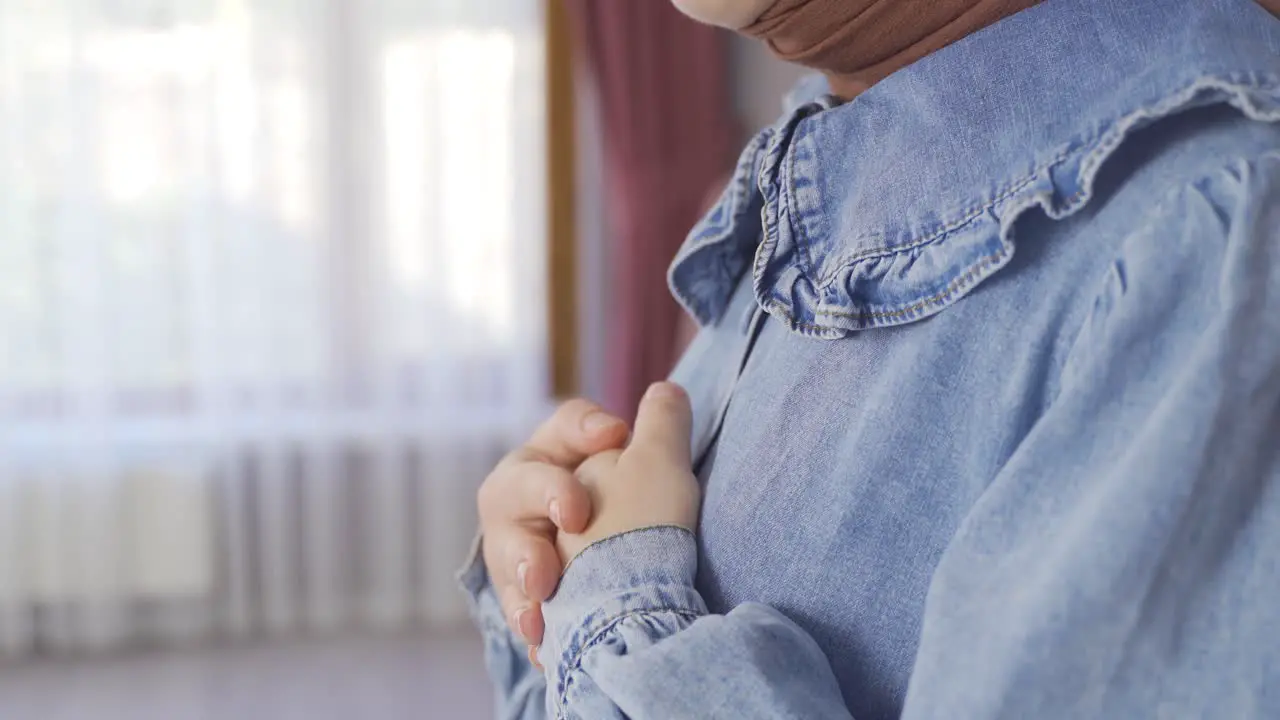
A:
{"x": 533, "y": 657}
{"x": 553, "y": 510}
{"x": 518, "y": 621}
{"x": 599, "y": 421}
{"x": 522, "y": 571}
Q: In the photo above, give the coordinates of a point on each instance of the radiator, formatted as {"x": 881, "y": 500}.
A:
{"x": 248, "y": 540}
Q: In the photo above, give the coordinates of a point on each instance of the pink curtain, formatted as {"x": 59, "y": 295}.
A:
{"x": 669, "y": 136}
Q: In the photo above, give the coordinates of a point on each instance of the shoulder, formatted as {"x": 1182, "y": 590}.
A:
{"x": 1196, "y": 266}
{"x": 1193, "y": 184}
{"x": 1167, "y": 158}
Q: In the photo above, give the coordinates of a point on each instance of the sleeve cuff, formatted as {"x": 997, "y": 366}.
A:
{"x": 663, "y": 555}
{"x": 482, "y": 602}
{"x": 644, "y": 571}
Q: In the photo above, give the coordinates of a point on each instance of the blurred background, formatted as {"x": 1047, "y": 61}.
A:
{"x": 280, "y": 280}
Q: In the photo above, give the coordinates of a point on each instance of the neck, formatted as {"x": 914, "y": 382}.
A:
{"x": 845, "y": 87}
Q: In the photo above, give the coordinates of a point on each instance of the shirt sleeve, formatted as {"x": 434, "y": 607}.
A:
{"x": 1126, "y": 560}
{"x": 628, "y": 636}
{"x": 519, "y": 688}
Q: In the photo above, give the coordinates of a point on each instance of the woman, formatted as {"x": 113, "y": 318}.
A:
{"x": 985, "y": 401}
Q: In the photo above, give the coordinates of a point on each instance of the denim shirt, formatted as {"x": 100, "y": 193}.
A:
{"x": 987, "y": 400}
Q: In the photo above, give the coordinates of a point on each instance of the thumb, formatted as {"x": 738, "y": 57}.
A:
{"x": 664, "y": 423}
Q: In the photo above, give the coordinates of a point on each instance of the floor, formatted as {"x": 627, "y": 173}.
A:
{"x": 413, "y": 677}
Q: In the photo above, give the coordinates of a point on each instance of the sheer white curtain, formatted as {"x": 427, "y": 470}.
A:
{"x": 271, "y": 301}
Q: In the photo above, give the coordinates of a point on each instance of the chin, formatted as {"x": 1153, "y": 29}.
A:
{"x": 732, "y": 14}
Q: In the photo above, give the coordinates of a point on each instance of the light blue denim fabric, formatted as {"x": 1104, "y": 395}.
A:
{"x": 987, "y": 401}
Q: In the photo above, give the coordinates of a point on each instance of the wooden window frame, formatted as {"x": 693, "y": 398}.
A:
{"x": 562, "y": 250}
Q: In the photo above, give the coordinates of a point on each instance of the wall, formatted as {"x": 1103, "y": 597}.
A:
{"x": 760, "y": 82}
{"x": 593, "y": 248}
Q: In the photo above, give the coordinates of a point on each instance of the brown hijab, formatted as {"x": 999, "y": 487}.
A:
{"x": 860, "y": 42}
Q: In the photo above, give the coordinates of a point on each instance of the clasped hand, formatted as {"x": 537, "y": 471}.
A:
{"x": 577, "y": 481}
